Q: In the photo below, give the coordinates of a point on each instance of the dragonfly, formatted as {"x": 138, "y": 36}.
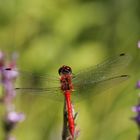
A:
{"x": 91, "y": 81}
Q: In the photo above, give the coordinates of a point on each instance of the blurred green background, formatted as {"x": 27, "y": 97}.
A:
{"x": 80, "y": 33}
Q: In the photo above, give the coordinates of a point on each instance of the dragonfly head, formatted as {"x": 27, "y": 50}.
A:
{"x": 65, "y": 70}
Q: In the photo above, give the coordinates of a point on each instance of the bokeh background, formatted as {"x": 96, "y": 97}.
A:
{"x": 80, "y": 33}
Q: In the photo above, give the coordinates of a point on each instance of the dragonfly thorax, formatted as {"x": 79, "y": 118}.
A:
{"x": 66, "y": 82}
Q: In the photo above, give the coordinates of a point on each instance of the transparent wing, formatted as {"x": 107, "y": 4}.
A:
{"x": 102, "y": 75}
{"x": 29, "y": 78}
{"x": 87, "y": 90}
{"x": 96, "y": 79}
{"x": 48, "y": 93}
{"x": 41, "y": 85}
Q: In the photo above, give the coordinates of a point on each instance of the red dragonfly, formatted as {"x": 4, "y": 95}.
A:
{"x": 92, "y": 80}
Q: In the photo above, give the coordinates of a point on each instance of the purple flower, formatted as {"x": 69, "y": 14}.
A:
{"x": 138, "y": 44}
{"x": 137, "y": 119}
{"x": 138, "y": 84}
{"x": 15, "y": 117}
{"x": 11, "y": 138}
{"x": 136, "y": 108}
{"x": 11, "y": 119}
{"x": 8, "y": 77}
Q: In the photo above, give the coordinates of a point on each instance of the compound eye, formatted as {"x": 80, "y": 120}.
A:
{"x": 60, "y": 70}
{"x": 68, "y": 69}
{"x": 64, "y": 70}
